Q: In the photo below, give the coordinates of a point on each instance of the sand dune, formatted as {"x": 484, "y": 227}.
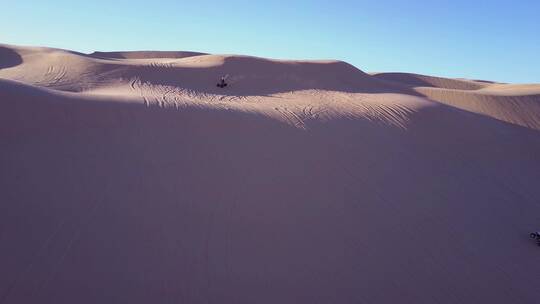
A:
{"x": 517, "y": 107}
{"x": 145, "y": 54}
{"x": 68, "y": 71}
{"x": 133, "y": 179}
{"x": 517, "y": 104}
{"x": 416, "y": 80}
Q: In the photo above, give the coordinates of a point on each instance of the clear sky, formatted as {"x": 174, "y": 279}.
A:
{"x": 492, "y": 40}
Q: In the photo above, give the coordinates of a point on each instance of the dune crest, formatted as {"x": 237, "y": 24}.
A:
{"x": 145, "y": 54}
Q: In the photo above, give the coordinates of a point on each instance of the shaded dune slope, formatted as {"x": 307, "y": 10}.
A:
{"x": 9, "y": 58}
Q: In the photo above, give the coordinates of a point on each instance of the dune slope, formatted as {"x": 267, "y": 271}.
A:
{"x": 137, "y": 180}
{"x": 516, "y": 104}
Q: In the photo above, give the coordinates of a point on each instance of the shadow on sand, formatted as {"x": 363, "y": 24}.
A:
{"x": 9, "y": 58}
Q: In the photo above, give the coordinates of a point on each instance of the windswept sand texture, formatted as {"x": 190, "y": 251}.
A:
{"x": 516, "y": 104}
{"x": 129, "y": 177}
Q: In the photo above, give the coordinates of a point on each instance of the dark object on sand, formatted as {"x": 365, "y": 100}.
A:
{"x": 222, "y": 82}
{"x": 535, "y": 235}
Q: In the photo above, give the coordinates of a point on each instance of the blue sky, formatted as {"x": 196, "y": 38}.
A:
{"x": 492, "y": 40}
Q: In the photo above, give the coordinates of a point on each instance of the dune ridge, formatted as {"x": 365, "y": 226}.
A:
{"x": 145, "y": 54}
{"x": 514, "y": 103}
{"x": 129, "y": 178}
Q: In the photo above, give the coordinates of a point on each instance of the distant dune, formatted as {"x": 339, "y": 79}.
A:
{"x": 517, "y": 104}
{"x": 145, "y": 54}
{"x": 130, "y": 177}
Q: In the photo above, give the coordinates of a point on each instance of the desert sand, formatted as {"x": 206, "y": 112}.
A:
{"x": 129, "y": 177}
